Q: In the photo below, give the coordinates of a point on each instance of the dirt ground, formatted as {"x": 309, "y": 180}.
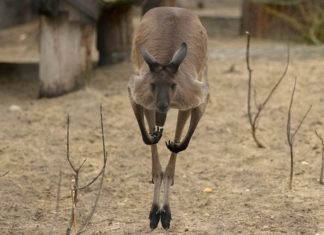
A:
{"x": 247, "y": 186}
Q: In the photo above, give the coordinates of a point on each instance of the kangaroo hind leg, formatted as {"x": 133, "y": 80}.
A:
{"x": 168, "y": 177}
{"x": 157, "y": 174}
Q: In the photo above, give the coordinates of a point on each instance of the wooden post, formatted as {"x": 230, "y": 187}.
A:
{"x": 114, "y": 33}
{"x": 65, "y": 51}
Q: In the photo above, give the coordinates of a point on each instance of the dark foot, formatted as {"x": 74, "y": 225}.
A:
{"x": 166, "y": 217}
{"x": 154, "y": 216}
{"x": 156, "y": 134}
{"x": 175, "y": 147}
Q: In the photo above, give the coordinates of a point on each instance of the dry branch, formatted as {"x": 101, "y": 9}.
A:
{"x": 291, "y": 135}
{"x": 75, "y": 184}
{"x": 4, "y": 174}
{"x": 322, "y": 167}
{"x": 253, "y": 120}
{"x": 102, "y": 173}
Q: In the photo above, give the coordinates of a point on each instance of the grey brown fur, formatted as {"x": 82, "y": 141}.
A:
{"x": 169, "y": 55}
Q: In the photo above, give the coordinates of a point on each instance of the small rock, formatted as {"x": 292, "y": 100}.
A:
{"x": 15, "y": 108}
{"x": 208, "y": 190}
{"x": 266, "y": 227}
{"x": 22, "y": 37}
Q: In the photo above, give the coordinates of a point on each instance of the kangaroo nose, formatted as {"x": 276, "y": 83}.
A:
{"x": 163, "y": 107}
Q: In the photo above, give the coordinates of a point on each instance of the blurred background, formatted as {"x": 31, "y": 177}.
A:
{"x": 74, "y": 35}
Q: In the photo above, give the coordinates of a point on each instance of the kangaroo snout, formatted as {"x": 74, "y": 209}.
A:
{"x": 163, "y": 107}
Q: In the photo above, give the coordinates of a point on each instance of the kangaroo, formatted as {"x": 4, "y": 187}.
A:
{"x": 169, "y": 54}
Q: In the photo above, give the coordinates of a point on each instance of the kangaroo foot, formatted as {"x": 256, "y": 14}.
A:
{"x": 166, "y": 217}
{"x": 154, "y": 216}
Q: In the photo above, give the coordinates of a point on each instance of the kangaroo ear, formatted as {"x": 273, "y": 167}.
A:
{"x": 177, "y": 58}
{"x": 149, "y": 59}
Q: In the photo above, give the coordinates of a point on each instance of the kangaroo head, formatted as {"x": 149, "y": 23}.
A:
{"x": 162, "y": 78}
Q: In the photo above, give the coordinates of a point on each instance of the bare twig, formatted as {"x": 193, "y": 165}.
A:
{"x": 247, "y": 57}
{"x": 301, "y": 122}
{"x": 74, "y": 198}
{"x": 102, "y": 173}
{"x": 4, "y": 174}
{"x": 75, "y": 184}
{"x": 291, "y": 135}
{"x": 254, "y": 119}
{"x": 68, "y": 142}
{"x": 322, "y": 167}
{"x": 68, "y": 149}
{"x": 104, "y": 154}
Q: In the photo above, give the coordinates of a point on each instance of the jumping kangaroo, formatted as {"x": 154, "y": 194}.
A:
{"x": 169, "y": 53}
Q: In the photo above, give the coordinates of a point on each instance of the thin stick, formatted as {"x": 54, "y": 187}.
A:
{"x": 301, "y": 122}
{"x": 74, "y": 198}
{"x": 254, "y": 120}
{"x": 4, "y": 174}
{"x": 289, "y": 113}
{"x": 274, "y": 88}
{"x": 247, "y": 57}
{"x": 84, "y": 227}
{"x": 322, "y": 167}
{"x": 104, "y": 153}
{"x": 68, "y": 142}
{"x": 102, "y": 173}
{"x": 291, "y": 135}
{"x": 74, "y": 182}
{"x": 251, "y": 119}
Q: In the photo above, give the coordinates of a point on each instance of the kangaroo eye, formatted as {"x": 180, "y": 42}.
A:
{"x": 152, "y": 86}
{"x": 173, "y": 86}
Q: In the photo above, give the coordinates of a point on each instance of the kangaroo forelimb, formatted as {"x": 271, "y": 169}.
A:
{"x": 196, "y": 115}
{"x": 148, "y": 138}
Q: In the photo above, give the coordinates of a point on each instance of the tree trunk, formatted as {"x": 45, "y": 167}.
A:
{"x": 65, "y": 53}
{"x": 114, "y": 33}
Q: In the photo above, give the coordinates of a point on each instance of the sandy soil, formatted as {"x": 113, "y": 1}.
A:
{"x": 248, "y": 187}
